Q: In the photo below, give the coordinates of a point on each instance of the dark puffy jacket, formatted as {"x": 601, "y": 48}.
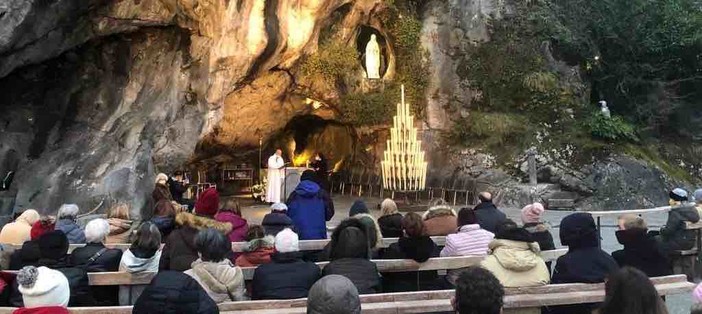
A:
{"x": 286, "y": 277}
{"x": 108, "y": 260}
{"x": 488, "y": 216}
{"x": 172, "y": 292}
{"x": 177, "y": 190}
{"x": 28, "y": 255}
{"x": 70, "y": 228}
{"x": 643, "y": 252}
{"x": 333, "y": 294}
{"x": 179, "y": 251}
{"x": 310, "y": 208}
{"x": 674, "y": 235}
{"x": 542, "y": 236}
{"x": 391, "y": 225}
{"x": 275, "y": 222}
{"x": 362, "y": 272}
{"x": 419, "y": 249}
{"x": 585, "y": 262}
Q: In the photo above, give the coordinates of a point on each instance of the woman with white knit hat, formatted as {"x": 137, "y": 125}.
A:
{"x": 44, "y": 290}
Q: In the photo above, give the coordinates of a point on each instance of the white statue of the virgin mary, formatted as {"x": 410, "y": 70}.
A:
{"x": 373, "y": 58}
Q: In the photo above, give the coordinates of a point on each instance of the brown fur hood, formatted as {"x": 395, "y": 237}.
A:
{"x": 200, "y": 223}
{"x": 438, "y": 211}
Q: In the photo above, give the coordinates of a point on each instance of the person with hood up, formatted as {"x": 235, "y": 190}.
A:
{"x": 390, "y": 220}
{"x": 66, "y": 223}
{"x": 29, "y": 254}
{"x": 180, "y": 252}
{"x": 641, "y": 250}
{"x": 333, "y": 294}
{"x": 287, "y": 276}
{"x": 360, "y": 211}
{"x": 142, "y": 256}
{"x": 531, "y": 218}
{"x": 231, "y": 213}
{"x": 44, "y": 291}
{"x": 585, "y": 262}
{"x": 258, "y": 250}
{"x": 164, "y": 209}
{"x": 95, "y": 257}
{"x": 416, "y": 245}
{"x": 470, "y": 240}
{"x": 350, "y": 256}
{"x": 440, "y": 220}
{"x": 277, "y": 219}
{"x": 489, "y": 217}
{"x": 214, "y": 271}
{"x": 674, "y": 235}
{"x": 120, "y": 224}
{"x": 514, "y": 259}
{"x": 173, "y": 292}
{"x": 310, "y": 207}
{"x": 18, "y": 232}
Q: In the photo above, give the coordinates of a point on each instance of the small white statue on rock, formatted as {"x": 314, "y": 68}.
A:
{"x": 373, "y": 58}
{"x": 605, "y": 109}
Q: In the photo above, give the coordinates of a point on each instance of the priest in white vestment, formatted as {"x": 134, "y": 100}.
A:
{"x": 276, "y": 176}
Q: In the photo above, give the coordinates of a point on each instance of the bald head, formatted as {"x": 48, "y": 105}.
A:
{"x": 485, "y": 197}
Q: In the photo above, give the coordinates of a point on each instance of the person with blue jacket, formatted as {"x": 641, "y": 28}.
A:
{"x": 310, "y": 207}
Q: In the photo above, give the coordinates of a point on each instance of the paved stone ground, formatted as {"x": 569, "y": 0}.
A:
{"x": 677, "y": 304}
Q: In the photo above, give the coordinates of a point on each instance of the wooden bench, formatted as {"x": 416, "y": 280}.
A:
{"x": 433, "y": 301}
{"x": 384, "y": 266}
{"x": 304, "y": 245}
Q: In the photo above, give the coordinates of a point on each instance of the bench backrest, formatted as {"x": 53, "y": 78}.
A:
{"x": 433, "y": 301}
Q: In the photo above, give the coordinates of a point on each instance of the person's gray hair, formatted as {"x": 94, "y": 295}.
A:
{"x": 97, "y": 230}
{"x": 68, "y": 211}
{"x": 212, "y": 245}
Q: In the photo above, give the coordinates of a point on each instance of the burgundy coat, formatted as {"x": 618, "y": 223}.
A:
{"x": 239, "y": 225}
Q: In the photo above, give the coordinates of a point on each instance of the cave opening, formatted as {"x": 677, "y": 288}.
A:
{"x": 306, "y": 135}
{"x": 364, "y": 35}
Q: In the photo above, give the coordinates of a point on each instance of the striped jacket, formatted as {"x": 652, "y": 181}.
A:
{"x": 470, "y": 240}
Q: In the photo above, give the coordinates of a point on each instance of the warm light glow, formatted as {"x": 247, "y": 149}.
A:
{"x": 302, "y": 159}
{"x": 403, "y": 165}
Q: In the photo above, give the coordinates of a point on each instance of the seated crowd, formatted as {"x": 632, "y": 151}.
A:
{"x": 197, "y": 269}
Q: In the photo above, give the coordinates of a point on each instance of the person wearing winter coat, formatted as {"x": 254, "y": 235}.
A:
{"x": 287, "y": 276}
{"x": 173, "y": 292}
{"x": 514, "y": 259}
{"x": 674, "y": 235}
{"x": 164, "y": 209}
{"x": 489, "y": 217}
{"x": 18, "y": 232}
{"x": 641, "y": 250}
{"x": 214, "y": 271}
{"x": 333, "y": 294}
{"x": 28, "y": 255}
{"x": 585, "y": 262}
{"x": 416, "y": 245}
{"x": 350, "y": 256}
{"x": 120, "y": 224}
{"x": 531, "y": 218}
{"x": 180, "y": 252}
{"x": 258, "y": 250}
{"x": 231, "y": 213}
{"x": 360, "y": 211}
{"x": 277, "y": 219}
{"x": 95, "y": 257}
{"x": 43, "y": 290}
{"x": 440, "y": 220}
{"x": 310, "y": 207}
{"x": 143, "y": 255}
{"x": 390, "y": 220}
{"x": 470, "y": 240}
{"x": 66, "y": 222}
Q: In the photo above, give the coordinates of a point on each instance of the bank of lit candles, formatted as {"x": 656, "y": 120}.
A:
{"x": 403, "y": 167}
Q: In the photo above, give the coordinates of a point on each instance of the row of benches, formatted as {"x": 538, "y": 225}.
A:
{"x": 448, "y": 188}
{"x": 432, "y": 301}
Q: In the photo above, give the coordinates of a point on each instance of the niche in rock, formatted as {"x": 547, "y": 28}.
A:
{"x": 306, "y": 135}
{"x": 364, "y": 36}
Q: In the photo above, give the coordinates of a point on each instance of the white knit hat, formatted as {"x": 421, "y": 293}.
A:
{"x": 43, "y": 287}
{"x": 161, "y": 177}
{"x": 286, "y": 241}
{"x": 279, "y": 207}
